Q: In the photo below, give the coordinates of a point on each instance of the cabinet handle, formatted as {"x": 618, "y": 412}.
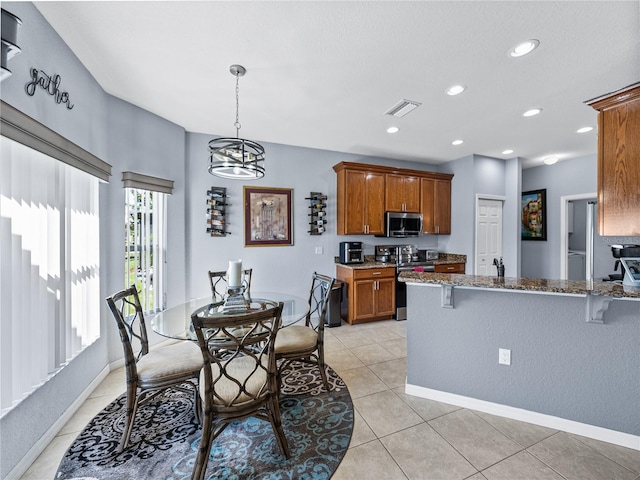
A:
{"x": 376, "y": 273}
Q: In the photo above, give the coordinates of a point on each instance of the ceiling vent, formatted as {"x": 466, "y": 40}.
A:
{"x": 402, "y": 108}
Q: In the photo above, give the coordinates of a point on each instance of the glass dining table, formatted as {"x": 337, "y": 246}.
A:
{"x": 175, "y": 322}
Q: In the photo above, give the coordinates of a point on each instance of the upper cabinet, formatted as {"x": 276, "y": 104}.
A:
{"x": 365, "y": 192}
{"x": 402, "y": 193}
{"x": 360, "y": 202}
{"x": 619, "y": 162}
{"x": 435, "y": 205}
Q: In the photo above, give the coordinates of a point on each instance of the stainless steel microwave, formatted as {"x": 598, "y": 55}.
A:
{"x": 402, "y": 224}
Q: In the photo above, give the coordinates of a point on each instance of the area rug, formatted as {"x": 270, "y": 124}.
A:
{"x": 318, "y": 425}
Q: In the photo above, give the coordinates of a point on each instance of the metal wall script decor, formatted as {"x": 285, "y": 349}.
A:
{"x": 51, "y": 84}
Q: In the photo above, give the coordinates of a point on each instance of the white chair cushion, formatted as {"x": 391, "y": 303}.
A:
{"x": 295, "y": 338}
{"x": 174, "y": 360}
{"x": 240, "y": 368}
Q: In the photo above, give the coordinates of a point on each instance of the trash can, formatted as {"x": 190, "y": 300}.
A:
{"x": 333, "y": 308}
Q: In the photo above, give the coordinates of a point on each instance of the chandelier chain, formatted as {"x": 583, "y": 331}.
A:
{"x": 237, "y": 124}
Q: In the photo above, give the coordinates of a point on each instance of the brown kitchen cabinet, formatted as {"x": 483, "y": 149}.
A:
{"x": 435, "y": 205}
{"x": 366, "y": 191}
{"x": 619, "y": 162}
{"x": 449, "y": 268}
{"x": 402, "y": 193}
{"x": 360, "y": 202}
{"x": 370, "y": 293}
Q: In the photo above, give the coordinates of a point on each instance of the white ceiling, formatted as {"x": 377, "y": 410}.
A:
{"x": 322, "y": 74}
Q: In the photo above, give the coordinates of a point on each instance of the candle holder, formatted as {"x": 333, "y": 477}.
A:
{"x": 235, "y": 299}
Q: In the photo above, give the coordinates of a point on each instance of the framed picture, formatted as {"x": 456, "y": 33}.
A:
{"x": 534, "y": 215}
{"x": 267, "y": 216}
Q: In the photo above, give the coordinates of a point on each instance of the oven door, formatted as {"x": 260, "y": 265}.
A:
{"x": 401, "y": 288}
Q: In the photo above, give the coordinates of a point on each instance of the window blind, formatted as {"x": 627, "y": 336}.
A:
{"x": 145, "y": 247}
{"x": 49, "y": 267}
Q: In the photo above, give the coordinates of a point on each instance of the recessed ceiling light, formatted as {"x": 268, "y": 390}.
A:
{"x": 457, "y": 142}
{"x": 456, "y": 90}
{"x": 584, "y": 129}
{"x": 392, "y": 129}
{"x": 507, "y": 152}
{"x": 550, "y": 160}
{"x": 524, "y": 48}
{"x": 532, "y": 112}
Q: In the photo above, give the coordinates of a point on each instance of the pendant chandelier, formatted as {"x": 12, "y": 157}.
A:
{"x": 236, "y": 158}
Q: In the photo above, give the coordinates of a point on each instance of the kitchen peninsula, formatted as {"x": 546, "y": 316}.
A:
{"x": 562, "y": 354}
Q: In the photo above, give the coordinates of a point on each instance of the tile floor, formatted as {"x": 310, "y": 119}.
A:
{"x": 398, "y": 437}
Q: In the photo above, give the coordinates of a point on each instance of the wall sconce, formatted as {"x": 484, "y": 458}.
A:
{"x": 10, "y": 25}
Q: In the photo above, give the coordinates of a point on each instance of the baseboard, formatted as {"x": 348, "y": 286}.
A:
{"x": 557, "y": 423}
{"x": 34, "y": 452}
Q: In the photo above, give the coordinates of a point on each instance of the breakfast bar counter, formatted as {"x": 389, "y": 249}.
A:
{"x": 561, "y": 354}
{"x": 564, "y": 287}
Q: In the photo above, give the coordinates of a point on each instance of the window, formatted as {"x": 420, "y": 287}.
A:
{"x": 145, "y": 237}
{"x": 49, "y": 267}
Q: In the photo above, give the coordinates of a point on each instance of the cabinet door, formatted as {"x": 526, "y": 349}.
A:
{"x": 364, "y": 299}
{"x": 354, "y": 204}
{"x": 435, "y": 205}
{"x": 412, "y": 194}
{"x": 386, "y": 296}
{"x": 402, "y": 193}
{"x": 427, "y": 204}
{"x": 374, "y": 206}
{"x": 619, "y": 170}
{"x": 394, "y": 196}
{"x": 443, "y": 207}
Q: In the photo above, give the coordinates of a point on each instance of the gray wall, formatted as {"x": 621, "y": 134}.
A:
{"x": 462, "y": 238}
{"x": 479, "y": 175}
{"x": 560, "y": 365}
{"x": 511, "y": 217}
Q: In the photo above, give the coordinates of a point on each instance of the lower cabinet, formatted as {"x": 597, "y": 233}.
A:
{"x": 370, "y": 292}
{"x": 449, "y": 268}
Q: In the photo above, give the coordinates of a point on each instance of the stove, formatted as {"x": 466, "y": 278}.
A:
{"x": 406, "y": 258}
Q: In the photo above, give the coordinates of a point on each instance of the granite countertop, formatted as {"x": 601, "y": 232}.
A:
{"x": 567, "y": 287}
{"x": 370, "y": 261}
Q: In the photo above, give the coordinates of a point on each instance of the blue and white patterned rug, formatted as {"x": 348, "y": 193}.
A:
{"x": 165, "y": 439}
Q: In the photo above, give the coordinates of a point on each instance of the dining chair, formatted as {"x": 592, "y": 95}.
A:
{"x": 306, "y": 342}
{"x": 150, "y": 371}
{"x": 219, "y": 282}
{"x": 238, "y": 379}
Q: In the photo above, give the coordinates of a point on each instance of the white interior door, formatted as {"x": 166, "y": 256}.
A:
{"x": 488, "y": 235}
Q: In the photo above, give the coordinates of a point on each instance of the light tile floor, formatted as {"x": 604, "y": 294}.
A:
{"x": 398, "y": 437}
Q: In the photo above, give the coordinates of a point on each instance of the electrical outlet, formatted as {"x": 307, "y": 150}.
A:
{"x": 504, "y": 356}
{"x": 319, "y": 250}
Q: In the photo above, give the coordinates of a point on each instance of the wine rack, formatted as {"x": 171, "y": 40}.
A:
{"x": 217, "y": 211}
{"x": 317, "y": 214}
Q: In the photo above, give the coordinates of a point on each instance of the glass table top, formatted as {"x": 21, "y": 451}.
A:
{"x": 175, "y": 322}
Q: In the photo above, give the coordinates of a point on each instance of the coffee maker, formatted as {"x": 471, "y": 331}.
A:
{"x": 618, "y": 252}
